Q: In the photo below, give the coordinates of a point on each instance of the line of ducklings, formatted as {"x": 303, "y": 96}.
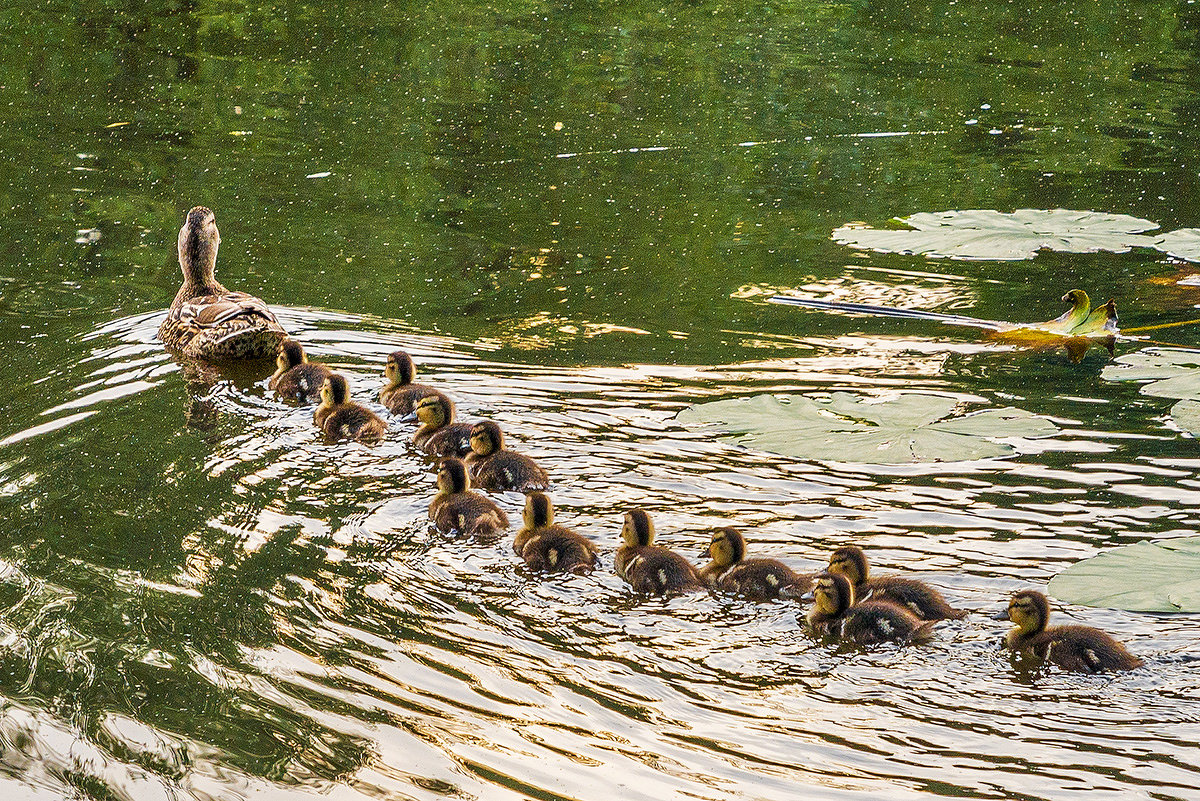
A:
{"x": 848, "y": 602}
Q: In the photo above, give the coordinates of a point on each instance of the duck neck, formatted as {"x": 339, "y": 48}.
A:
{"x": 198, "y": 261}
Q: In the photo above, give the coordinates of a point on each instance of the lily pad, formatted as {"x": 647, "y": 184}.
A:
{"x": 1161, "y": 576}
{"x": 1172, "y": 372}
{"x": 905, "y": 428}
{"x": 1182, "y": 244}
{"x": 988, "y": 235}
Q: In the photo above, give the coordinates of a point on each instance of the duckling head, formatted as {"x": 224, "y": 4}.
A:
{"x": 290, "y": 355}
{"x": 399, "y": 369}
{"x": 850, "y": 562}
{"x": 728, "y": 547}
{"x": 435, "y": 411}
{"x": 539, "y": 511}
{"x": 334, "y": 391}
{"x": 638, "y": 529}
{"x": 486, "y": 438}
{"x": 452, "y": 476}
{"x": 1029, "y": 610}
{"x": 833, "y": 594}
{"x": 198, "y": 241}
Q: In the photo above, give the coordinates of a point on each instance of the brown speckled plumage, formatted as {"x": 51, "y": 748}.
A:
{"x": 548, "y": 547}
{"x": 1078, "y": 648}
{"x": 649, "y": 568}
{"x": 206, "y": 320}
{"x": 457, "y": 510}
{"x": 401, "y": 395}
{"x": 836, "y": 612}
{"x": 494, "y": 467}
{"x": 919, "y": 598}
{"x": 295, "y": 377}
{"x": 757, "y": 579}
{"x": 341, "y": 418}
{"x": 439, "y": 435}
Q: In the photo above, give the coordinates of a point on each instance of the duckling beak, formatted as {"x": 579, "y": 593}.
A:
{"x": 706, "y": 553}
{"x": 1001, "y": 615}
{"x": 807, "y": 597}
{"x": 408, "y": 418}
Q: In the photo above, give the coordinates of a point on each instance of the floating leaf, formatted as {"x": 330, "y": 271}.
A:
{"x": 1186, "y": 415}
{"x": 984, "y": 234}
{"x": 1147, "y": 576}
{"x": 909, "y": 427}
{"x": 1173, "y": 372}
{"x": 1182, "y": 244}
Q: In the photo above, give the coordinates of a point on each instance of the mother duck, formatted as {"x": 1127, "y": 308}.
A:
{"x": 206, "y": 320}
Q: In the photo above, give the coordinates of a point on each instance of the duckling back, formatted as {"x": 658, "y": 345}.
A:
{"x": 656, "y": 570}
{"x": 873, "y": 622}
{"x": 352, "y": 421}
{"x": 918, "y": 597}
{"x": 302, "y": 382}
{"x": 764, "y": 580}
{"x": 1078, "y": 648}
{"x": 556, "y": 549}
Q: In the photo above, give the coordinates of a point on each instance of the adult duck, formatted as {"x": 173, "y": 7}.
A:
{"x": 206, "y": 320}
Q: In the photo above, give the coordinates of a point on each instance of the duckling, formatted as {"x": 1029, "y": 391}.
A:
{"x": 546, "y": 546}
{"x": 1079, "y": 648}
{"x": 400, "y": 395}
{"x": 296, "y": 378}
{"x": 924, "y": 601}
{"x": 650, "y": 568}
{"x": 206, "y": 320}
{"x": 456, "y": 509}
{"x": 834, "y": 611}
{"x": 439, "y": 434}
{"x": 494, "y": 467}
{"x": 757, "y": 579}
{"x": 338, "y": 416}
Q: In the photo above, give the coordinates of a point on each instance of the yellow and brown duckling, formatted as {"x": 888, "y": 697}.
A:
{"x": 757, "y": 579}
{"x": 439, "y": 434}
{"x": 296, "y": 378}
{"x": 339, "y": 417}
{"x": 835, "y": 612}
{"x": 494, "y": 467}
{"x": 457, "y": 510}
{"x": 1078, "y": 648}
{"x": 550, "y": 547}
{"x": 206, "y": 320}
{"x": 401, "y": 395}
{"x": 921, "y": 599}
{"x": 648, "y": 567}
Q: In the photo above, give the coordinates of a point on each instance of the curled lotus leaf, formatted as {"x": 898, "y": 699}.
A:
{"x": 988, "y": 235}
{"x": 845, "y": 427}
{"x": 1147, "y": 576}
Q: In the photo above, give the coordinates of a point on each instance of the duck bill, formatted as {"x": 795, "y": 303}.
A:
{"x": 1001, "y": 615}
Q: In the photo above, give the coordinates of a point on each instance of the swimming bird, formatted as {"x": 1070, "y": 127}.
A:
{"x": 1077, "y": 648}
{"x": 757, "y": 579}
{"x": 650, "y": 568}
{"x": 206, "y": 320}
{"x": 547, "y": 546}
{"x": 439, "y": 434}
{"x": 835, "y": 611}
{"x": 400, "y": 395}
{"x": 339, "y": 417}
{"x": 296, "y": 378}
{"x": 921, "y": 599}
{"x": 456, "y": 509}
{"x": 494, "y": 467}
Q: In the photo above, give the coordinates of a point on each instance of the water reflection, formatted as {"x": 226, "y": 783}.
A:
{"x": 298, "y": 624}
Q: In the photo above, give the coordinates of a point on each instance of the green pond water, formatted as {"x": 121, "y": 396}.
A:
{"x": 572, "y": 216}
